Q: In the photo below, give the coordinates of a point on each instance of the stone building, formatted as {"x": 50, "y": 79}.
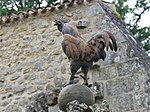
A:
{"x": 32, "y": 60}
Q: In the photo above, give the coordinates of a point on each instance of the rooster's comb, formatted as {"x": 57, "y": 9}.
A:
{"x": 62, "y": 19}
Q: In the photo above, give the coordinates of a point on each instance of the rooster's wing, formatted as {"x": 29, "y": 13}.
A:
{"x": 70, "y": 46}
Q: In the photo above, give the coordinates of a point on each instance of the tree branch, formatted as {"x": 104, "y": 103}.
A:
{"x": 16, "y": 4}
{"x": 4, "y": 4}
{"x": 139, "y": 15}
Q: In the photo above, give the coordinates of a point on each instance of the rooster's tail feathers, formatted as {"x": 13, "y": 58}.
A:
{"x": 111, "y": 36}
{"x": 104, "y": 40}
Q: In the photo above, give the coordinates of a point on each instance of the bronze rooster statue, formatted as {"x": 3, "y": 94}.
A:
{"x": 82, "y": 53}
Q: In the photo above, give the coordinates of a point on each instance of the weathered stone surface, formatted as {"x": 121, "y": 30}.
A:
{"x": 37, "y": 103}
{"x": 146, "y": 110}
{"x": 50, "y": 73}
{"x": 2, "y": 79}
{"x": 106, "y": 73}
{"x": 30, "y": 77}
{"x": 63, "y": 69}
{"x": 147, "y": 82}
{"x": 77, "y": 107}
{"x": 59, "y": 81}
{"x": 31, "y": 89}
{"x": 5, "y": 103}
{"x": 69, "y": 14}
{"x": 39, "y": 64}
{"x": 20, "y": 81}
{"x": 18, "y": 90}
{"x": 122, "y": 85}
{"x": 23, "y": 103}
{"x": 53, "y": 109}
{"x": 93, "y": 10}
{"x": 122, "y": 103}
{"x": 15, "y": 76}
{"x": 41, "y": 102}
{"x": 128, "y": 68}
{"x": 3, "y": 70}
{"x": 142, "y": 100}
{"x": 13, "y": 108}
{"x": 100, "y": 22}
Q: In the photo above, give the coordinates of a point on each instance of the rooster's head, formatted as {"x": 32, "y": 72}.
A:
{"x": 59, "y": 22}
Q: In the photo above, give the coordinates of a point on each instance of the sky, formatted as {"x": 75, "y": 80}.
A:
{"x": 145, "y": 17}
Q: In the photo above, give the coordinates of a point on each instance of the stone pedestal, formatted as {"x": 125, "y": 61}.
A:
{"x": 81, "y": 93}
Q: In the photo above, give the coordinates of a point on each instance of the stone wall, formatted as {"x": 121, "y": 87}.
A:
{"x": 31, "y": 61}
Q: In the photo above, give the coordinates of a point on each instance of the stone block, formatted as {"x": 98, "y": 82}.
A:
{"x": 146, "y": 110}
{"x": 39, "y": 82}
{"x": 108, "y": 72}
{"x": 23, "y": 102}
{"x": 94, "y": 75}
{"x": 128, "y": 67}
{"x": 104, "y": 73}
{"x": 15, "y": 76}
{"x": 121, "y": 103}
{"x": 18, "y": 90}
{"x": 59, "y": 81}
{"x": 142, "y": 100}
{"x": 13, "y": 108}
{"x": 69, "y": 14}
{"x": 5, "y": 103}
{"x": 2, "y": 79}
{"x": 4, "y": 71}
{"x": 123, "y": 51}
{"x": 119, "y": 36}
{"x": 30, "y": 76}
{"x": 100, "y": 23}
{"x": 39, "y": 64}
{"x": 20, "y": 81}
{"x": 77, "y": 17}
{"x": 122, "y": 85}
{"x": 93, "y": 10}
{"x": 63, "y": 69}
{"x": 147, "y": 82}
{"x": 53, "y": 108}
{"x": 31, "y": 90}
{"x": 50, "y": 73}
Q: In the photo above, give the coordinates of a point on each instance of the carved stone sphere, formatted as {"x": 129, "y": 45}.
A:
{"x": 81, "y": 93}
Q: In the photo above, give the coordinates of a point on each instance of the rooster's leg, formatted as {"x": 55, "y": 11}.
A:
{"x": 85, "y": 71}
{"x": 74, "y": 69}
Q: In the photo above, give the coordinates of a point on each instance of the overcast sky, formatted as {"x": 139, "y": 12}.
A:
{"x": 145, "y": 19}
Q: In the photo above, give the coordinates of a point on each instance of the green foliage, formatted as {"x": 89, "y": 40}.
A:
{"x": 50, "y": 1}
{"x": 8, "y": 6}
{"x": 141, "y": 33}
